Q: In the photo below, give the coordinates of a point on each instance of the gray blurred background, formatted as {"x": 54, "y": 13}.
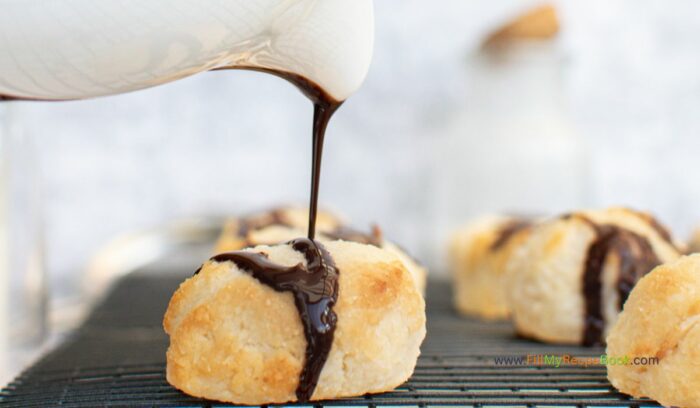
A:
{"x": 413, "y": 150}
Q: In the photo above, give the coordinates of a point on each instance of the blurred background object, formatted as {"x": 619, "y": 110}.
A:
{"x": 540, "y": 23}
{"x": 513, "y": 143}
{"x": 23, "y": 291}
{"x": 4, "y": 272}
{"x": 609, "y": 112}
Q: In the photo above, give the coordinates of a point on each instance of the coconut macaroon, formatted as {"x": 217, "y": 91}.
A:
{"x": 478, "y": 254}
{"x": 661, "y": 320}
{"x": 285, "y": 223}
{"x": 693, "y": 245}
{"x": 234, "y": 338}
{"x": 570, "y": 279}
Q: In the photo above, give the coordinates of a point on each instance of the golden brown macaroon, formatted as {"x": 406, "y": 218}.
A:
{"x": 693, "y": 245}
{"x": 285, "y": 223}
{"x": 568, "y": 282}
{"x": 237, "y": 340}
{"x": 661, "y": 319}
{"x": 478, "y": 254}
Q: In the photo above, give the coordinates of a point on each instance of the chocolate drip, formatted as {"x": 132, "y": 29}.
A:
{"x": 315, "y": 290}
{"x": 636, "y": 258}
{"x": 507, "y": 231}
{"x": 324, "y": 108}
{"x": 594, "y": 323}
{"x": 315, "y": 287}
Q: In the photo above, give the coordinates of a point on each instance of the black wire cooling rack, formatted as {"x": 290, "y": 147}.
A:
{"x": 117, "y": 359}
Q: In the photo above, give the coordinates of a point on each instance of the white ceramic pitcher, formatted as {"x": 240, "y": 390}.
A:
{"x": 74, "y": 49}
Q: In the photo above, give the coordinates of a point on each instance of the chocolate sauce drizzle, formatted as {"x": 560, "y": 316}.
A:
{"x": 324, "y": 108}
{"x": 315, "y": 291}
{"x": 315, "y": 287}
{"x": 636, "y": 257}
{"x": 508, "y": 231}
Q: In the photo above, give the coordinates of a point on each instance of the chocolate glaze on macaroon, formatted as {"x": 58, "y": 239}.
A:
{"x": 315, "y": 290}
{"x": 507, "y": 231}
{"x": 636, "y": 258}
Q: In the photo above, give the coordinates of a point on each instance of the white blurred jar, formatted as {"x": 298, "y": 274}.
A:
{"x": 4, "y": 278}
{"x": 514, "y": 148}
{"x": 23, "y": 295}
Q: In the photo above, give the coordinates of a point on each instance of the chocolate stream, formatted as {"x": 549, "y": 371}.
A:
{"x": 324, "y": 108}
{"x": 315, "y": 287}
